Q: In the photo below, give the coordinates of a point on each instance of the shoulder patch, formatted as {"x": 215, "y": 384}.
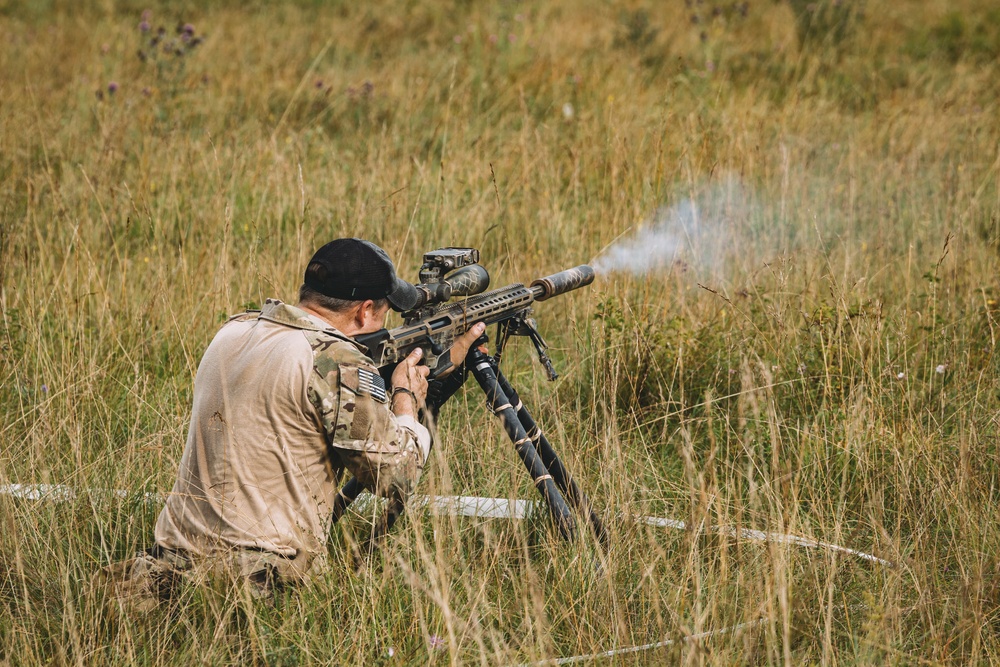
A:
{"x": 372, "y": 384}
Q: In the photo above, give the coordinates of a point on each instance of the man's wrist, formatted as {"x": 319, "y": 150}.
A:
{"x": 407, "y": 405}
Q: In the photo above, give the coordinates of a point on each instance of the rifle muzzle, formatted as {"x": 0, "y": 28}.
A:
{"x": 564, "y": 281}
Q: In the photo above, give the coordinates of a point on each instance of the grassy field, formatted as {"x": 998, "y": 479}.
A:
{"x": 819, "y": 357}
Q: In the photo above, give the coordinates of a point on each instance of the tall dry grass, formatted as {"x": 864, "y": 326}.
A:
{"x": 827, "y": 369}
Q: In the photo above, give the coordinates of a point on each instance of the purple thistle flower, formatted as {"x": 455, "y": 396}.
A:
{"x": 188, "y": 29}
{"x": 146, "y": 14}
{"x": 319, "y": 84}
{"x": 435, "y": 642}
{"x": 144, "y": 26}
{"x": 366, "y": 88}
{"x": 45, "y": 388}
{"x": 112, "y": 87}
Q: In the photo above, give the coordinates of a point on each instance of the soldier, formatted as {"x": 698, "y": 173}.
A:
{"x": 284, "y": 400}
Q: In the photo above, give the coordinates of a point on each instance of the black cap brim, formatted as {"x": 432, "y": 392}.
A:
{"x": 403, "y": 296}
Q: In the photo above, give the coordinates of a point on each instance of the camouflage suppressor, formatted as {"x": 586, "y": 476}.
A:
{"x": 564, "y": 281}
{"x": 435, "y": 329}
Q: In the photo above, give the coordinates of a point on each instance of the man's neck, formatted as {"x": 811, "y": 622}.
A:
{"x": 342, "y": 323}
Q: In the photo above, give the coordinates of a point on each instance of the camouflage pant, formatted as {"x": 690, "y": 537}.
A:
{"x": 154, "y": 576}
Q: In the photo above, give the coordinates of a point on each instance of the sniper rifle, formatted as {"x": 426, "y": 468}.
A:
{"x": 452, "y": 298}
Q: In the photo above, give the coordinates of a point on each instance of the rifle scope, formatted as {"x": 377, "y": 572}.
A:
{"x": 466, "y": 281}
{"x": 562, "y": 282}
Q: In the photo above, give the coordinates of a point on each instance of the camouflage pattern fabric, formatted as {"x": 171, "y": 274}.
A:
{"x": 354, "y": 411}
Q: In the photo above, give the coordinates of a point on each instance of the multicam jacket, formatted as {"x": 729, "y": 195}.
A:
{"x": 282, "y": 403}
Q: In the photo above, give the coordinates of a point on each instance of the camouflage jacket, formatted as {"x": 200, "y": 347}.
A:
{"x": 282, "y": 403}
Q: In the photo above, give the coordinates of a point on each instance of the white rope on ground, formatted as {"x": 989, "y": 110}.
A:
{"x": 474, "y": 506}
{"x": 644, "y": 647}
{"x": 778, "y": 538}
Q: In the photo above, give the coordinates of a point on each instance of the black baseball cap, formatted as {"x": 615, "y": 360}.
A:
{"x": 356, "y": 270}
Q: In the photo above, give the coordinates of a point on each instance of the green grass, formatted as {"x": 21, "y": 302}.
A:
{"x": 826, "y": 366}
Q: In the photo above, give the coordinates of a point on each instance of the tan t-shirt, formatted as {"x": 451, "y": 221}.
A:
{"x": 281, "y": 406}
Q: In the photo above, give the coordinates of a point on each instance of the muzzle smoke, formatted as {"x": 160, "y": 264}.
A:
{"x": 696, "y": 232}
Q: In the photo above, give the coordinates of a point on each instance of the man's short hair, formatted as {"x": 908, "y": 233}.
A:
{"x": 308, "y": 295}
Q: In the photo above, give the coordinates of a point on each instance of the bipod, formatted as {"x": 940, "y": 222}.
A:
{"x": 547, "y": 471}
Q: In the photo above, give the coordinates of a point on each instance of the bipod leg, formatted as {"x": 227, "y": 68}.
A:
{"x": 485, "y": 370}
{"x": 552, "y": 462}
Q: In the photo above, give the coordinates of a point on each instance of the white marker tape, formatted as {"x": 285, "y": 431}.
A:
{"x": 493, "y": 508}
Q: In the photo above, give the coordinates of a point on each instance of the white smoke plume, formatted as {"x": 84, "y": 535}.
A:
{"x": 699, "y": 231}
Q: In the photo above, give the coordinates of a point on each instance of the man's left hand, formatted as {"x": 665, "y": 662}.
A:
{"x": 460, "y": 348}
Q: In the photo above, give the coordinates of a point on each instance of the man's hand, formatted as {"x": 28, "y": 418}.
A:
{"x": 412, "y": 377}
{"x": 443, "y": 388}
{"x": 460, "y": 348}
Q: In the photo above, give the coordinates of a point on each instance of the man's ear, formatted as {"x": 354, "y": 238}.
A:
{"x": 364, "y": 313}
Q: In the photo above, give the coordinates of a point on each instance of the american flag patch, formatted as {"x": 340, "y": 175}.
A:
{"x": 372, "y": 384}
